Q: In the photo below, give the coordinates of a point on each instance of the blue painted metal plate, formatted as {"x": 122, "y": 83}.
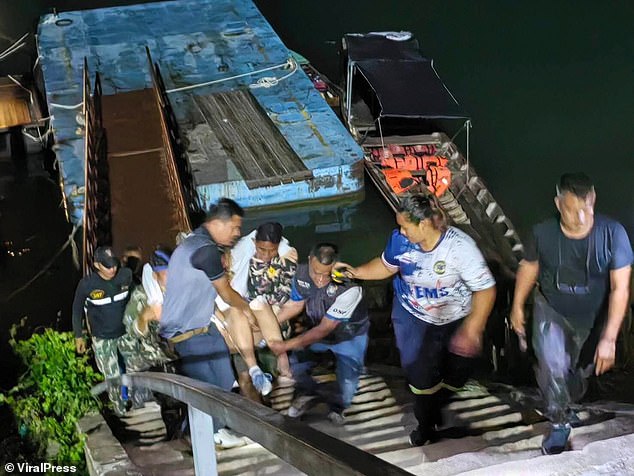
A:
{"x": 193, "y": 41}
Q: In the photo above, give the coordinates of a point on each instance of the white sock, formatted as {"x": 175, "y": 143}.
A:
{"x": 254, "y": 370}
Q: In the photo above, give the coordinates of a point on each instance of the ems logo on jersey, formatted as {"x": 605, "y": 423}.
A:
{"x": 97, "y": 294}
{"x": 440, "y": 267}
{"x": 331, "y": 290}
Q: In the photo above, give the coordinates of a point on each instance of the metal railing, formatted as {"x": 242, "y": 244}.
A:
{"x": 303, "y": 447}
{"x": 180, "y": 176}
{"x": 97, "y": 229}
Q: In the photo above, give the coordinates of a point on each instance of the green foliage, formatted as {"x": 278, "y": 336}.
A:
{"x": 53, "y": 394}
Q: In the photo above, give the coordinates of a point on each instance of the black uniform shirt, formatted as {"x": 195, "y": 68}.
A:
{"x": 340, "y": 302}
{"x": 104, "y": 302}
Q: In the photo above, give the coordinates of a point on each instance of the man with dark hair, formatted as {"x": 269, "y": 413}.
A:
{"x": 102, "y": 295}
{"x": 132, "y": 258}
{"x": 195, "y": 277}
{"x": 262, "y": 265}
{"x": 581, "y": 264}
{"x": 337, "y": 322}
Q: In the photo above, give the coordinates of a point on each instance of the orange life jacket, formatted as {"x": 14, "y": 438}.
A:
{"x": 414, "y": 162}
{"x": 438, "y": 179}
{"x": 396, "y": 149}
{"x": 399, "y": 180}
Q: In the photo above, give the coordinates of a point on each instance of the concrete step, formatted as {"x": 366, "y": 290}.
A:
{"x": 484, "y": 431}
{"x": 449, "y": 457}
{"x": 612, "y": 456}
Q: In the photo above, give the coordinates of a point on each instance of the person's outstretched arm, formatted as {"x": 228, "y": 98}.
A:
{"x": 374, "y": 269}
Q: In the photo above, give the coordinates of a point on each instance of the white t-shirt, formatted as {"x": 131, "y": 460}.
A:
{"x": 436, "y": 286}
{"x": 241, "y": 255}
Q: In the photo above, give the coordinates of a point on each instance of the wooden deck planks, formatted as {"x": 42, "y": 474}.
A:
{"x": 14, "y": 105}
{"x": 250, "y": 140}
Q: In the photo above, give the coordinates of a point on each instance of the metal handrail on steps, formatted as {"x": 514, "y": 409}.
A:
{"x": 303, "y": 447}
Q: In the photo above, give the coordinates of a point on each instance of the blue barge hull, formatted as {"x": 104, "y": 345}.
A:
{"x": 194, "y": 42}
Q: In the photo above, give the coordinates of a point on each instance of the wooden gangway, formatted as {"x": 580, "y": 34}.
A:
{"x": 144, "y": 209}
{"x": 139, "y": 189}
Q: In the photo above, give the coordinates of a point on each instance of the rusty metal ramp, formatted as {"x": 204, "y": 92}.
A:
{"x": 145, "y": 209}
{"x": 244, "y": 134}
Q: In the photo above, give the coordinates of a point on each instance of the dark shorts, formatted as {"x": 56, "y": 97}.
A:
{"x": 425, "y": 356}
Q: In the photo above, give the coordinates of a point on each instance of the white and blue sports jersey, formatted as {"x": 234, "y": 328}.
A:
{"x": 436, "y": 286}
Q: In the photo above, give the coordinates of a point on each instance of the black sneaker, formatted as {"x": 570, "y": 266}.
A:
{"x": 337, "y": 418}
{"x": 420, "y": 437}
{"x": 301, "y": 405}
{"x": 556, "y": 439}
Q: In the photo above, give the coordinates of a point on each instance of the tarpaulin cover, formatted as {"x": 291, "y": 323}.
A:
{"x": 404, "y": 81}
{"x": 372, "y": 46}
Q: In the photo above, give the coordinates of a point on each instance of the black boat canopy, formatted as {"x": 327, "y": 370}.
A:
{"x": 405, "y": 82}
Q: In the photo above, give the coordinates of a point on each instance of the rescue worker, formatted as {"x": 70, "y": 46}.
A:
{"x": 443, "y": 295}
{"x": 103, "y": 295}
{"x": 143, "y": 313}
{"x": 195, "y": 277}
{"x": 337, "y": 322}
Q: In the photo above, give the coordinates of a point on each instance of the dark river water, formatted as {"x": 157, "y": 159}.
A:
{"x": 549, "y": 86}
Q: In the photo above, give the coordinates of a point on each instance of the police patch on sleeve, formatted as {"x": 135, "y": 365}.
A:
{"x": 345, "y": 304}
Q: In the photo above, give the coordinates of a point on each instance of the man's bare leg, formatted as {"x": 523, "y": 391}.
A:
{"x": 246, "y": 387}
{"x": 240, "y": 331}
{"x": 270, "y": 328}
{"x": 244, "y": 380}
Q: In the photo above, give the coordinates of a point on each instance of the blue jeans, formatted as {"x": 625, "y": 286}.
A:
{"x": 206, "y": 357}
{"x": 349, "y": 358}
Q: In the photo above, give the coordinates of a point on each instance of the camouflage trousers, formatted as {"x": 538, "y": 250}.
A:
{"x": 144, "y": 352}
{"x": 107, "y": 357}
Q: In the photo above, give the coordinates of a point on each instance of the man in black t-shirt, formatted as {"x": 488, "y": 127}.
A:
{"x": 581, "y": 264}
{"x": 338, "y": 323}
{"x": 102, "y": 295}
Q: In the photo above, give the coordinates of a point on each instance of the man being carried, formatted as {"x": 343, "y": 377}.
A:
{"x": 338, "y": 322}
{"x": 262, "y": 266}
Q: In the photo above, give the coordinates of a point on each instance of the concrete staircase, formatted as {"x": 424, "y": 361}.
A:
{"x": 487, "y": 431}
